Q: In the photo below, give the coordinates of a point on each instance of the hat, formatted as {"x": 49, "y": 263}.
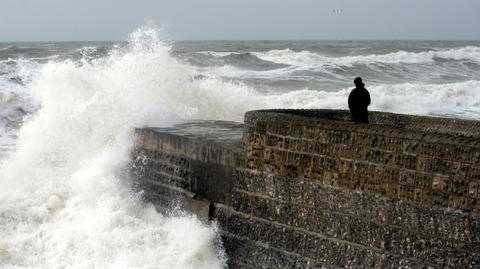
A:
{"x": 358, "y": 81}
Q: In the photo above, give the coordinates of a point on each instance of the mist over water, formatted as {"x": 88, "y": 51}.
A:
{"x": 68, "y": 111}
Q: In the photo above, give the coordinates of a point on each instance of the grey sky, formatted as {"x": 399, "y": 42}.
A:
{"x": 49, "y": 20}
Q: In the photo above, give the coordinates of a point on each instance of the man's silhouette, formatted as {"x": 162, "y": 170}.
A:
{"x": 358, "y": 101}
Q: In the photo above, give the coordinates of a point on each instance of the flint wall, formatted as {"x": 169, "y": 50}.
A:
{"x": 311, "y": 189}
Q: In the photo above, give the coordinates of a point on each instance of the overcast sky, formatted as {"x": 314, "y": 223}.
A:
{"x": 63, "y": 20}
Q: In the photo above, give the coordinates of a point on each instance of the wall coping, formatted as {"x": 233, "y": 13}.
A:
{"x": 444, "y": 130}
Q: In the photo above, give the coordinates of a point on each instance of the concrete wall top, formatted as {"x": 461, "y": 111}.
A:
{"x": 226, "y": 133}
{"x": 195, "y": 158}
{"x": 434, "y": 126}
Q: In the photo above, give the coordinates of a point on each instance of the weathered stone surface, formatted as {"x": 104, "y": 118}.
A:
{"x": 198, "y": 157}
{"x": 428, "y": 164}
{"x": 312, "y": 190}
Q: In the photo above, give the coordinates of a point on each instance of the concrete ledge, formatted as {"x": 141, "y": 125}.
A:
{"x": 194, "y": 160}
{"x": 431, "y": 125}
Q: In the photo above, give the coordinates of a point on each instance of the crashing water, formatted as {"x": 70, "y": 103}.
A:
{"x": 68, "y": 110}
{"x": 65, "y": 201}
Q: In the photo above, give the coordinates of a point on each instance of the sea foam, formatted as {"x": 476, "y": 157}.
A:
{"x": 311, "y": 59}
{"x": 65, "y": 196}
{"x": 65, "y": 199}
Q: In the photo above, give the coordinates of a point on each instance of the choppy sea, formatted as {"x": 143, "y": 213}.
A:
{"x": 68, "y": 110}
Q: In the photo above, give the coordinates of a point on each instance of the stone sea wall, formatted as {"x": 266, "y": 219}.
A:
{"x": 310, "y": 189}
{"x": 189, "y": 166}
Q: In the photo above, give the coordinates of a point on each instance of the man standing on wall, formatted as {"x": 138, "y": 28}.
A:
{"x": 358, "y": 101}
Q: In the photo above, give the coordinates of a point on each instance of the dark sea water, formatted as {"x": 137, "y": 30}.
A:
{"x": 68, "y": 110}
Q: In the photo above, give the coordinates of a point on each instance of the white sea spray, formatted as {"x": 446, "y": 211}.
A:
{"x": 65, "y": 198}
{"x": 65, "y": 201}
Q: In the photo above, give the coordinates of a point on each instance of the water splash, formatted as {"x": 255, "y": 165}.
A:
{"x": 65, "y": 201}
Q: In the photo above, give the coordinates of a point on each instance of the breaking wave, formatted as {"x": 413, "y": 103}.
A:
{"x": 309, "y": 59}
{"x": 65, "y": 200}
{"x": 400, "y": 66}
{"x": 65, "y": 197}
{"x": 460, "y": 99}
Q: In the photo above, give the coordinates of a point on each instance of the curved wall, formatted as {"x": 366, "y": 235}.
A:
{"x": 318, "y": 190}
{"x": 310, "y": 189}
{"x": 426, "y": 160}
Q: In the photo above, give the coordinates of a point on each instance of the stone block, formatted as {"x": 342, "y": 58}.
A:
{"x": 474, "y": 228}
{"x": 443, "y": 167}
{"x": 473, "y": 189}
{"x": 406, "y": 161}
{"x": 297, "y": 191}
{"x": 283, "y": 188}
{"x": 458, "y": 187}
{"x": 473, "y": 174}
{"x": 390, "y": 190}
{"x": 255, "y": 163}
{"x": 445, "y": 151}
{"x": 316, "y": 171}
{"x": 327, "y": 163}
{"x": 360, "y": 139}
{"x": 241, "y": 202}
{"x": 374, "y": 156}
{"x": 221, "y": 215}
{"x": 394, "y": 262}
{"x": 423, "y": 181}
{"x": 411, "y": 146}
{"x": 344, "y": 151}
{"x": 323, "y": 148}
{"x": 427, "y": 150}
{"x": 321, "y": 135}
{"x": 291, "y": 171}
{"x": 305, "y": 146}
{"x": 407, "y": 177}
{"x": 426, "y": 165}
{"x": 407, "y": 192}
{"x": 339, "y": 137}
{"x": 242, "y": 180}
{"x": 310, "y": 247}
{"x": 293, "y": 240}
{"x": 459, "y": 171}
{"x": 474, "y": 156}
{"x": 283, "y": 213}
{"x": 241, "y": 226}
{"x": 330, "y": 178}
{"x": 259, "y": 183}
{"x": 268, "y": 155}
{"x": 345, "y": 169}
{"x": 437, "y": 198}
{"x": 262, "y": 208}
{"x": 428, "y": 249}
{"x": 440, "y": 183}
{"x": 388, "y": 143}
{"x": 455, "y": 201}
{"x": 310, "y": 132}
{"x": 388, "y": 174}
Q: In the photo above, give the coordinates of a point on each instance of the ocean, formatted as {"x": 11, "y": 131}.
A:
{"x": 68, "y": 111}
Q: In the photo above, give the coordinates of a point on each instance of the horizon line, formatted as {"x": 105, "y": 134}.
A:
{"x": 230, "y": 40}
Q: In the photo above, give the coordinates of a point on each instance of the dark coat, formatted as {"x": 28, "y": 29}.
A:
{"x": 358, "y": 101}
